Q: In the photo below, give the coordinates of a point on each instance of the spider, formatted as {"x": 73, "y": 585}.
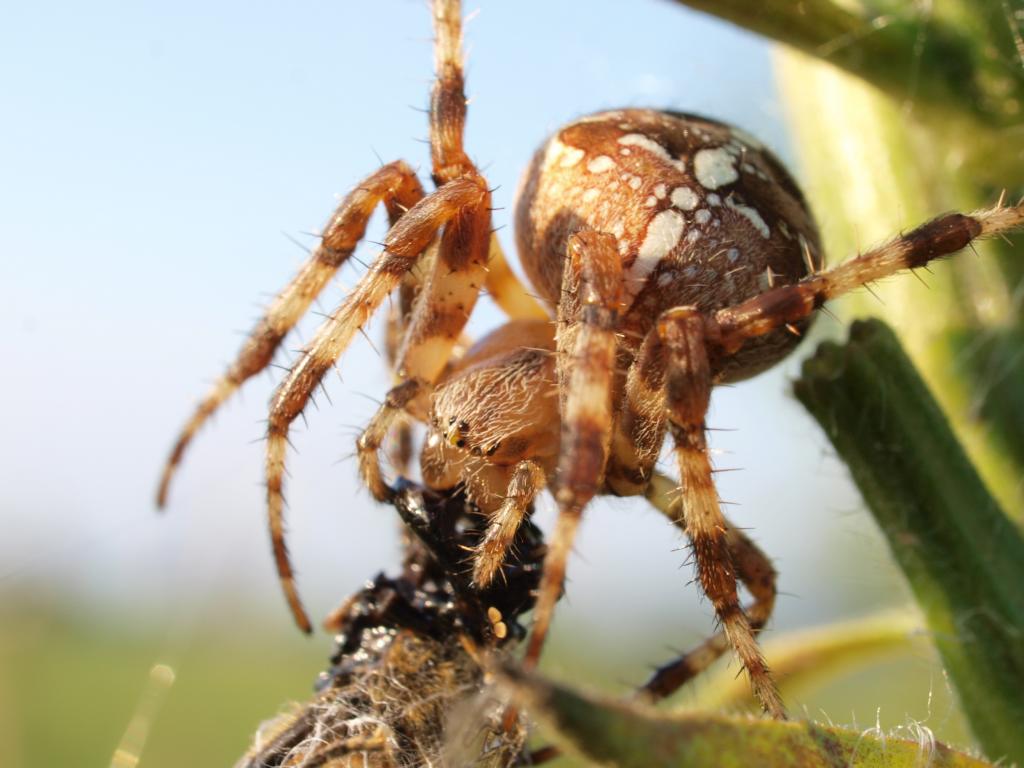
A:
{"x": 671, "y": 253}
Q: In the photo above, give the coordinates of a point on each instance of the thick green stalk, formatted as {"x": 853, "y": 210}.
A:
{"x": 609, "y": 732}
{"x": 963, "y": 558}
{"x": 870, "y": 172}
{"x": 950, "y": 62}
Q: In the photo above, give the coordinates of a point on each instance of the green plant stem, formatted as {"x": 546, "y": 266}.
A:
{"x": 810, "y": 657}
{"x": 963, "y": 558}
{"x": 630, "y": 736}
{"x": 870, "y": 172}
{"x": 913, "y": 55}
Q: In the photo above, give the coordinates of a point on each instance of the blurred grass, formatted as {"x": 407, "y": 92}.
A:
{"x": 70, "y": 683}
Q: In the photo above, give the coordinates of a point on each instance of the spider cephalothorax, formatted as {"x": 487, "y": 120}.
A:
{"x": 672, "y": 252}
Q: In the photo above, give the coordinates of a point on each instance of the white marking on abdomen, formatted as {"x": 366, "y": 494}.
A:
{"x": 714, "y": 168}
{"x": 663, "y": 233}
{"x": 571, "y": 157}
{"x": 752, "y": 216}
{"x": 650, "y": 145}
{"x": 684, "y": 198}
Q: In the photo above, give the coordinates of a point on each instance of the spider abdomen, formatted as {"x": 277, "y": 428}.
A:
{"x": 703, "y": 215}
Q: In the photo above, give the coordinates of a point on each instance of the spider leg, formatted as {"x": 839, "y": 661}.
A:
{"x": 398, "y": 188}
{"x": 448, "y": 98}
{"x": 588, "y": 317}
{"x": 640, "y": 428}
{"x": 729, "y": 328}
{"x": 754, "y": 569}
{"x": 527, "y": 481}
{"x": 399, "y": 441}
{"x": 461, "y": 206}
{"x": 507, "y": 290}
{"x": 688, "y": 382}
{"x": 388, "y": 416}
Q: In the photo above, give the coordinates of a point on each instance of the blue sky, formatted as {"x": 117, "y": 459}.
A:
{"x": 155, "y": 162}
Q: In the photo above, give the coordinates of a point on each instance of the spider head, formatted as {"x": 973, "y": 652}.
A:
{"x": 499, "y": 405}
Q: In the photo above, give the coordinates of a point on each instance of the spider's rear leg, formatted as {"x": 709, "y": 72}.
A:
{"x": 397, "y": 187}
{"x": 462, "y": 208}
{"x": 588, "y": 316}
{"x": 680, "y": 335}
{"x": 754, "y": 569}
{"x": 729, "y": 328}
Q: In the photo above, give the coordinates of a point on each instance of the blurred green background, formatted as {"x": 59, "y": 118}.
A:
{"x": 157, "y": 162}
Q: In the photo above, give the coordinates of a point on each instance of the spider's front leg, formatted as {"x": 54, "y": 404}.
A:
{"x": 588, "y": 316}
{"x": 687, "y": 390}
{"x": 462, "y": 207}
{"x": 396, "y": 186}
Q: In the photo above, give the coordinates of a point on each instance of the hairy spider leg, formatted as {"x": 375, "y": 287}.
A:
{"x": 680, "y": 335}
{"x": 681, "y": 347}
{"x": 528, "y": 479}
{"x": 396, "y": 186}
{"x": 728, "y": 328}
{"x": 448, "y": 97}
{"x": 462, "y": 208}
{"x": 592, "y": 297}
{"x": 752, "y": 566}
{"x": 461, "y": 205}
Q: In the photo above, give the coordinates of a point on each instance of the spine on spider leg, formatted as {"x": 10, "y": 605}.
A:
{"x": 963, "y": 557}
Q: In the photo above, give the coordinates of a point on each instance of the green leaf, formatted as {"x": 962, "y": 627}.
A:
{"x": 807, "y": 657}
{"x": 613, "y": 733}
{"x": 956, "y": 61}
{"x": 963, "y": 557}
